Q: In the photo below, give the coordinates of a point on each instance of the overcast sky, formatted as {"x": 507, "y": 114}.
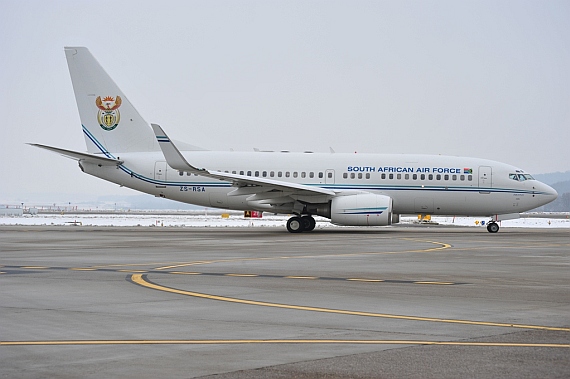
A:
{"x": 487, "y": 79}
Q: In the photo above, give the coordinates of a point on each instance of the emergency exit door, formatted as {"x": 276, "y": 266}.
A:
{"x": 329, "y": 177}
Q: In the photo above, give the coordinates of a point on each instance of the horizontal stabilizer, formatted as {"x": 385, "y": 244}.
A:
{"x": 78, "y": 156}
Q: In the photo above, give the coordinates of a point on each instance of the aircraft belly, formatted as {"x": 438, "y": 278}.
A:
{"x": 219, "y": 199}
{"x": 427, "y": 202}
{"x": 453, "y": 203}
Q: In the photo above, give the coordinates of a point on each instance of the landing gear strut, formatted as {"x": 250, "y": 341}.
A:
{"x": 492, "y": 227}
{"x": 298, "y": 224}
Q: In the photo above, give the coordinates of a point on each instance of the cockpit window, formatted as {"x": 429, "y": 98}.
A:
{"x": 521, "y": 177}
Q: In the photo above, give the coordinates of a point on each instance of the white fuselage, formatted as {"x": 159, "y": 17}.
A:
{"x": 418, "y": 184}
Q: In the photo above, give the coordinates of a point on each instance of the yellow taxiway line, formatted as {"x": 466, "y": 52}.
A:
{"x": 279, "y": 341}
{"x": 140, "y": 280}
{"x": 441, "y": 246}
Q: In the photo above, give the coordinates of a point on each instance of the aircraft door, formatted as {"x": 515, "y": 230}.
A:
{"x": 485, "y": 177}
{"x": 160, "y": 171}
{"x": 329, "y": 177}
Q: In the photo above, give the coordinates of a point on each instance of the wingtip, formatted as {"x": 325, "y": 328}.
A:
{"x": 156, "y": 129}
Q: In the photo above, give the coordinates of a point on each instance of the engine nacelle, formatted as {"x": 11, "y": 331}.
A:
{"x": 364, "y": 209}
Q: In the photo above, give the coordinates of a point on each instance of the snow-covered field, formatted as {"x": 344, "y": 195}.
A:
{"x": 216, "y": 220}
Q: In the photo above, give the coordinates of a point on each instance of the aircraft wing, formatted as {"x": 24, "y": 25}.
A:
{"x": 79, "y": 156}
{"x": 245, "y": 184}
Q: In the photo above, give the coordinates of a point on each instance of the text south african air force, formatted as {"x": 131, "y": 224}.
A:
{"x": 432, "y": 170}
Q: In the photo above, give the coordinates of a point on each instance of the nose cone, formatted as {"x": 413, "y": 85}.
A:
{"x": 547, "y": 193}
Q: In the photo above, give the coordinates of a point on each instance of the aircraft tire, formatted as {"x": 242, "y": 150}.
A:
{"x": 295, "y": 225}
{"x": 492, "y": 227}
{"x": 309, "y": 223}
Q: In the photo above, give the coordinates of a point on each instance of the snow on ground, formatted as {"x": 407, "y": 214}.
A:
{"x": 216, "y": 220}
{"x": 482, "y": 222}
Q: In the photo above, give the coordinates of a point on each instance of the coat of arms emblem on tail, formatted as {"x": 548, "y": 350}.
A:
{"x": 108, "y": 115}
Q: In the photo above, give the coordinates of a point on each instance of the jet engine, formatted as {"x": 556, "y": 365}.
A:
{"x": 364, "y": 209}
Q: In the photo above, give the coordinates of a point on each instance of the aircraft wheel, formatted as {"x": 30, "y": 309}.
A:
{"x": 492, "y": 227}
{"x": 309, "y": 223}
{"x": 295, "y": 225}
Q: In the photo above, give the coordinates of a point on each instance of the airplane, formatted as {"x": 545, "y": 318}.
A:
{"x": 348, "y": 189}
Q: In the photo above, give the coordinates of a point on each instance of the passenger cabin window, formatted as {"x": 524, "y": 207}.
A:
{"x": 311, "y": 174}
{"x": 287, "y": 174}
{"x": 320, "y": 175}
{"x": 329, "y": 175}
{"x": 352, "y": 175}
{"x": 345, "y": 175}
{"x": 367, "y": 175}
{"x": 249, "y": 173}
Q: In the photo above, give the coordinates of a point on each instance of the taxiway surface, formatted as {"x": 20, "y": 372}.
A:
{"x": 260, "y": 302}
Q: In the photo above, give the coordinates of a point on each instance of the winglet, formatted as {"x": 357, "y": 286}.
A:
{"x": 174, "y": 158}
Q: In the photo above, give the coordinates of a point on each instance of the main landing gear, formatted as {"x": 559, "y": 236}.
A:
{"x": 492, "y": 227}
{"x": 298, "y": 224}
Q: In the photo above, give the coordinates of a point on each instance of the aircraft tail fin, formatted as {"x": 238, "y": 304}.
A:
{"x": 111, "y": 124}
